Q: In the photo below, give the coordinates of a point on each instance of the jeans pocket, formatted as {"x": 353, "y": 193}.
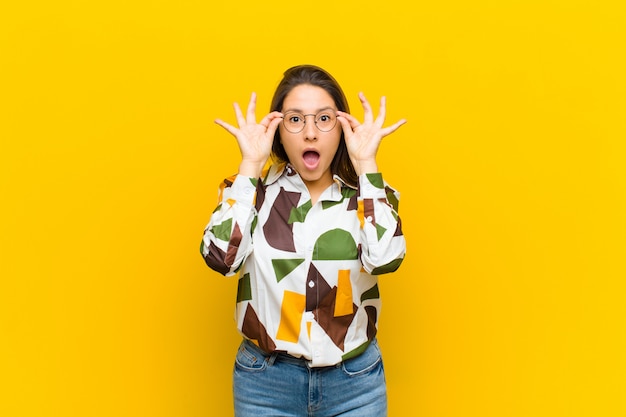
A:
{"x": 250, "y": 359}
{"x": 365, "y": 363}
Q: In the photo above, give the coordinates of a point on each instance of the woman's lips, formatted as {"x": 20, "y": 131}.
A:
{"x": 311, "y": 159}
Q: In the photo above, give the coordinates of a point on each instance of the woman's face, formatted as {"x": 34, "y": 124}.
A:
{"x": 311, "y": 151}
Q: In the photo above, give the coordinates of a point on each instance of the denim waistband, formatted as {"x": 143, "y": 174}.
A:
{"x": 271, "y": 357}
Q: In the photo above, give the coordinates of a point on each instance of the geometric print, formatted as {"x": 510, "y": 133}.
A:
{"x": 308, "y": 277}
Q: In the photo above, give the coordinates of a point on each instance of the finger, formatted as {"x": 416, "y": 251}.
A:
{"x": 231, "y": 129}
{"x": 274, "y": 123}
{"x": 382, "y": 112}
{"x": 367, "y": 109}
{"x": 345, "y": 125}
{"x": 239, "y": 115}
{"x": 251, "y": 117}
{"x": 389, "y": 130}
{"x": 270, "y": 118}
{"x": 353, "y": 122}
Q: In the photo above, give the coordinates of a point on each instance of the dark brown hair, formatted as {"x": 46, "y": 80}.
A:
{"x": 315, "y": 76}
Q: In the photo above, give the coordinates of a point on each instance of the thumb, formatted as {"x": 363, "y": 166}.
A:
{"x": 271, "y": 129}
{"x": 345, "y": 125}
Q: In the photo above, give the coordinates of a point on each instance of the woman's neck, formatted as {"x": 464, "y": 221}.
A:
{"x": 316, "y": 188}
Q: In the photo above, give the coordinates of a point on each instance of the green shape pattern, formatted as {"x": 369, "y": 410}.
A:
{"x": 298, "y": 214}
{"x": 345, "y": 193}
{"x": 380, "y": 231}
{"x": 335, "y": 245}
{"x": 253, "y": 226}
{"x": 356, "y": 352}
{"x": 371, "y": 294}
{"x": 329, "y": 204}
{"x": 222, "y": 230}
{"x": 391, "y": 197}
{"x": 390, "y": 267}
{"x": 376, "y": 180}
{"x": 244, "y": 290}
{"x": 283, "y": 267}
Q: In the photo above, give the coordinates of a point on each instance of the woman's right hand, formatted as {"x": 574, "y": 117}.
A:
{"x": 254, "y": 139}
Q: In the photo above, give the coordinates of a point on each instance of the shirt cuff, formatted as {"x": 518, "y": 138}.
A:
{"x": 243, "y": 190}
{"x": 372, "y": 186}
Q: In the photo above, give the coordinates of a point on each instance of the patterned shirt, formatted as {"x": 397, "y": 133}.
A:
{"x": 308, "y": 273}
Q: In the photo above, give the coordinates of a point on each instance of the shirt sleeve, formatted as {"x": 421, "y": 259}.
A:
{"x": 383, "y": 246}
{"x": 227, "y": 238}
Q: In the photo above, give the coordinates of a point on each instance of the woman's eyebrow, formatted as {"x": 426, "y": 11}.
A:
{"x": 295, "y": 110}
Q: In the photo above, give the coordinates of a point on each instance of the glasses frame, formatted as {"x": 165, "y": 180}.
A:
{"x": 334, "y": 113}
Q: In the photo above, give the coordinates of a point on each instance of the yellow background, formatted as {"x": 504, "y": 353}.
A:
{"x": 511, "y": 301}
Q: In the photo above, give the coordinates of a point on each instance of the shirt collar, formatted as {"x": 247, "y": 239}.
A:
{"x": 276, "y": 171}
{"x": 273, "y": 173}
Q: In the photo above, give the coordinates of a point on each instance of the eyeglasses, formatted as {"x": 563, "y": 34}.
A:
{"x": 325, "y": 121}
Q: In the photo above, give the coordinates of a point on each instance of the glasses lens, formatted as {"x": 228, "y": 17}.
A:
{"x": 294, "y": 122}
{"x": 325, "y": 120}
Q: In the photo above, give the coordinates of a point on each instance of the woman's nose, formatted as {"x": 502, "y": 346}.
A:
{"x": 310, "y": 130}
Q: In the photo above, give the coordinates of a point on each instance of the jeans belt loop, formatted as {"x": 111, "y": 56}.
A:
{"x": 272, "y": 358}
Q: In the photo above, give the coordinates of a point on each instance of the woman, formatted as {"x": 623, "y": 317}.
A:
{"x": 308, "y": 238}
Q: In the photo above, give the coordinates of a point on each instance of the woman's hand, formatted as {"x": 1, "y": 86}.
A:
{"x": 254, "y": 139}
{"x": 363, "y": 140}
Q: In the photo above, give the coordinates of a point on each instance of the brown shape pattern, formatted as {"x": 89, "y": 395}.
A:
{"x": 216, "y": 259}
{"x": 254, "y": 329}
{"x": 372, "y": 316}
{"x": 319, "y": 290}
{"x": 398, "y": 231}
{"x": 260, "y": 195}
{"x": 278, "y": 232}
{"x": 233, "y": 245}
{"x": 368, "y": 210}
{"x": 353, "y": 203}
{"x": 335, "y": 327}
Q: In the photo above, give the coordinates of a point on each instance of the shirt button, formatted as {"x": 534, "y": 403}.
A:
{"x": 368, "y": 219}
{"x": 317, "y": 354}
{"x": 311, "y": 284}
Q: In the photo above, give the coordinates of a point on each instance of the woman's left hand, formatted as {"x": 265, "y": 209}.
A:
{"x": 363, "y": 139}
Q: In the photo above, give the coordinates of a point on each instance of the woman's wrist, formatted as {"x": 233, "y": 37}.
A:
{"x": 365, "y": 167}
{"x": 251, "y": 169}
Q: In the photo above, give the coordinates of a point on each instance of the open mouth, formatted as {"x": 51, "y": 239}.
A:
{"x": 311, "y": 159}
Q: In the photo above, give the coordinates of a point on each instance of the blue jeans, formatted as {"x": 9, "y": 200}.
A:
{"x": 281, "y": 385}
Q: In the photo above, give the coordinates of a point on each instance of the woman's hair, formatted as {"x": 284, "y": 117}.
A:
{"x": 315, "y": 76}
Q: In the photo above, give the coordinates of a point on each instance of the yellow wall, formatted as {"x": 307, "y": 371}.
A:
{"x": 512, "y": 170}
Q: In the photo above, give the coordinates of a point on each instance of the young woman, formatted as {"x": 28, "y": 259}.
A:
{"x": 308, "y": 238}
